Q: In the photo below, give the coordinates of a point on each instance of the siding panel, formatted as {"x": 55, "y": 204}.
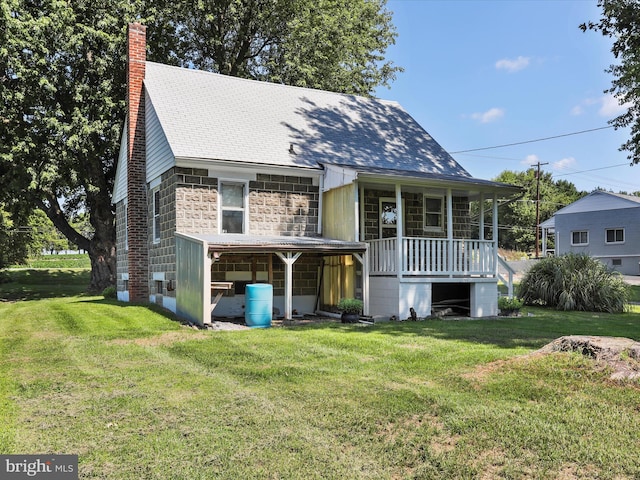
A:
{"x": 160, "y": 158}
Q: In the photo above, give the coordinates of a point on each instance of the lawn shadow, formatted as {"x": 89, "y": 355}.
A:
{"x": 533, "y": 332}
{"x": 33, "y": 284}
{"x": 151, "y": 306}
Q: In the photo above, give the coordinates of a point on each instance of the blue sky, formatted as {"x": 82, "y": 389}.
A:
{"x": 480, "y": 73}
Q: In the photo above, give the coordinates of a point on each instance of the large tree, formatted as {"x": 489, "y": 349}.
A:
{"x": 621, "y": 21}
{"x": 517, "y": 220}
{"x": 62, "y": 82}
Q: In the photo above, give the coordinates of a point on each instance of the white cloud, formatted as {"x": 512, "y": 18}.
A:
{"x": 577, "y": 110}
{"x": 530, "y": 160}
{"x": 610, "y": 107}
{"x": 564, "y": 163}
{"x": 514, "y": 65}
{"x": 489, "y": 116}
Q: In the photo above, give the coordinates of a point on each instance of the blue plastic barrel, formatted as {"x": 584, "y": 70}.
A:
{"x": 259, "y": 305}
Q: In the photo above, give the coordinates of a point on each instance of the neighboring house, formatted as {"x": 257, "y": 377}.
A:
{"x": 602, "y": 224}
{"x": 223, "y": 181}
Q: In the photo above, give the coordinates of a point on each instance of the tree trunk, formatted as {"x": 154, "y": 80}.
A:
{"x": 102, "y": 247}
{"x": 102, "y": 253}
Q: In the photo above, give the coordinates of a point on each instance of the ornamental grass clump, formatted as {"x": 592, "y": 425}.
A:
{"x": 574, "y": 282}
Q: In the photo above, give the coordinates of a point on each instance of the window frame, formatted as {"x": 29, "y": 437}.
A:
{"x": 614, "y": 230}
{"x": 579, "y": 244}
{"x": 432, "y": 228}
{"x": 244, "y": 209}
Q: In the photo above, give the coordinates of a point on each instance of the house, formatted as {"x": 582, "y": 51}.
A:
{"x": 223, "y": 182}
{"x": 602, "y": 224}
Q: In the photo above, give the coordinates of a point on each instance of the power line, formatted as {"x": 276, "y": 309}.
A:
{"x": 593, "y": 169}
{"x": 533, "y": 141}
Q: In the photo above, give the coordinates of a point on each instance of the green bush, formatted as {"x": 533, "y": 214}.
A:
{"x": 574, "y": 282}
{"x": 350, "y": 305}
{"x": 506, "y": 304}
{"x": 110, "y": 292}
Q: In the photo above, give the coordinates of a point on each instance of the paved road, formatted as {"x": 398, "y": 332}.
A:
{"x": 521, "y": 267}
{"x": 632, "y": 279}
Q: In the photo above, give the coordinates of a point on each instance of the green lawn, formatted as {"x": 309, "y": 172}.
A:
{"x": 76, "y": 260}
{"x": 137, "y": 396}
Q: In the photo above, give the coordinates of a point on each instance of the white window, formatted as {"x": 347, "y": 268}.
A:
{"x": 232, "y": 207}
{"x": 580, "y": 237}
{"x": 156, "y": 216}
{"x": 433, "y": 213}
{"x": 614, "y": 235}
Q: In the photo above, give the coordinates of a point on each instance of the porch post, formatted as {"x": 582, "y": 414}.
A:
{"x": 358, "y": 193}
{"x": 450, "y": 259}
{"x": 481, "y": 236}
{"x": 399, "y": 230}
{"x": 288, "y": 258}
{"x": 206, "y": 279}
{"x": 364, "y": 260}
{"x": 544, "y": 241}
{"x": 495, "y": 234}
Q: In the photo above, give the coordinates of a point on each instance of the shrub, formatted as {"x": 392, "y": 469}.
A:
{"x": 574, "y": 282}
{"x": 350, "y": 305}
{"x": 506, "y": 304}
{"x": 110, "y": 292}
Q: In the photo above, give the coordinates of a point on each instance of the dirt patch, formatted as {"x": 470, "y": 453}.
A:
{"x": 622, "y": 355}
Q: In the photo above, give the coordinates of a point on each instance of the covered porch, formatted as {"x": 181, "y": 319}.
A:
{"x": 430, "y": 230}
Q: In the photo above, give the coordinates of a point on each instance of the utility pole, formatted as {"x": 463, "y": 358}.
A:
{"x": 538, "y": 208}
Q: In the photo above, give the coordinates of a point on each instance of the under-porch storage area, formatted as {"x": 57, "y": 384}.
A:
{"x": 390, "y": 297}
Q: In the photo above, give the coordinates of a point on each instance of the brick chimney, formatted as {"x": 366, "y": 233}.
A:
{"x": 137, "y": 216}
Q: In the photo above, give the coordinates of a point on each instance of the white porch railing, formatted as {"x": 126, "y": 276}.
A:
{"x": 433, "y": 256}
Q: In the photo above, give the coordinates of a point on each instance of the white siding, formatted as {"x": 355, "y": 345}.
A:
{"x": 120, "y": 185}
{"x": 417, "y": 295}
{"x": 160, "y": 158}
{"x": 484, "y": 299}
{"x": 383, "y": 297}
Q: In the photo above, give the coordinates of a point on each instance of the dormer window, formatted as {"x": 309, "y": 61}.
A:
{"x": 232, "y": 207}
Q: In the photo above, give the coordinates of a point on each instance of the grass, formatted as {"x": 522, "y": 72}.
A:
{"x": 78, "y": 260}
{"x": 136, "y": 395}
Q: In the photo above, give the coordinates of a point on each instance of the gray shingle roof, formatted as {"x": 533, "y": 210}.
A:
{"x": 599, "y": 200}
{"x": 210, "y": 116}
{"x": 258, "y": 243}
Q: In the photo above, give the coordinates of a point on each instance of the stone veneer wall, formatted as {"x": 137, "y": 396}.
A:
{"x": 122, "y": 259}
{"x": 162, "y": 257}
{"x": 414, "y": 215}
{"x": 283, "y": 205}
{"x": 278, "y": 205}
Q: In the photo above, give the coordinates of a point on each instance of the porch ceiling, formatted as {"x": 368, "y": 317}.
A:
{"x": 271, "y": 244}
